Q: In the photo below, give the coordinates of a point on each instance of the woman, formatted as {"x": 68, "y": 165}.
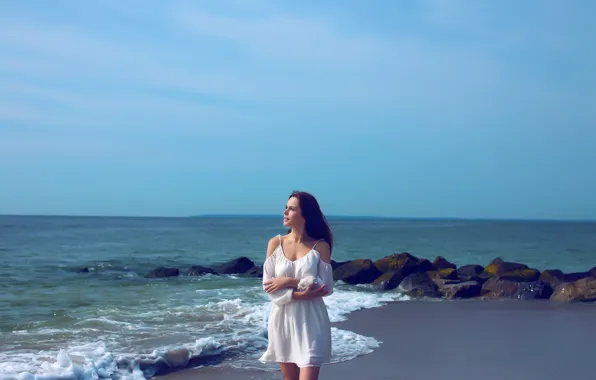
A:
{"x": 299, "y": 327}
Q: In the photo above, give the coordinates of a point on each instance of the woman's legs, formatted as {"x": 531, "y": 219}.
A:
{"x": 309, "y": 373}
{"x": 290, "y": 371}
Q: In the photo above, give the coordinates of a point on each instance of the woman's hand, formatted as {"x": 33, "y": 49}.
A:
{"x": 311, "y": 292}
{"x": 278, "y": 283}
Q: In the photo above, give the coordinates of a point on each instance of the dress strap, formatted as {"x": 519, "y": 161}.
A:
{"x": 313, "y": 247}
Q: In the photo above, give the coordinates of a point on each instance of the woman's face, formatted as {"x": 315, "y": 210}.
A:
{"x": 292, "y": 213}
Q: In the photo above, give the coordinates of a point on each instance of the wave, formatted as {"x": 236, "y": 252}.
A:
{"x": 231, "y": 330}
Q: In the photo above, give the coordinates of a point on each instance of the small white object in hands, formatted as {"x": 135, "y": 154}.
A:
{"x": 307, "y": 281}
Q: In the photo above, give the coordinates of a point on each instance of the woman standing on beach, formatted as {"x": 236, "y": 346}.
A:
{"x": 299, "y": 328}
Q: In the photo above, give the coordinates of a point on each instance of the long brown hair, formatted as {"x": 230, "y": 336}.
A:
{"x": 316, "y": 225}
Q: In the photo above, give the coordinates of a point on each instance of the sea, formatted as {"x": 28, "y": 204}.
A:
{"x": 59, "y": 321}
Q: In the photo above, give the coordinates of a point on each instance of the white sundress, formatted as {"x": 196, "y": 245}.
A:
{"x": 299, "y": 331}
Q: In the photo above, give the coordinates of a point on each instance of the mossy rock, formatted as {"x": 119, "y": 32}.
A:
{"x": 442, "y": 263}
{"x": 522, "y": 275}
{"x": 360, "y": 271}
{"x": 404, "y": 263}
{"x": 498, "y": 267}
{"x": 445, "y": 274}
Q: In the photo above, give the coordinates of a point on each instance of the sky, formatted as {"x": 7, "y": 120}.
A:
{"x": 467, "y": 109}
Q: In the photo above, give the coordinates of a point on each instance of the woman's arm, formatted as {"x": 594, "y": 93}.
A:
{"x": 325, "y": 273}
{"x": 279, "y": 295}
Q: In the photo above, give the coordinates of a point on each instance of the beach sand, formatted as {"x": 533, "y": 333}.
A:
{"x": 444, "y": 340}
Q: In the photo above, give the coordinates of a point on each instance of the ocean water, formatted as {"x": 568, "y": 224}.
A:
{"x": 59, "y": 322}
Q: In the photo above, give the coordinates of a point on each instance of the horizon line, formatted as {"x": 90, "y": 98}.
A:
{"x": 330, "y": 216}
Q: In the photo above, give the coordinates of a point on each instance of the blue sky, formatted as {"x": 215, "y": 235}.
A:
{"x": 386, "y": 108}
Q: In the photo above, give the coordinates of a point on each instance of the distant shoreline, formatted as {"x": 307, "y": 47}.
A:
{"x": 329, "y": 217}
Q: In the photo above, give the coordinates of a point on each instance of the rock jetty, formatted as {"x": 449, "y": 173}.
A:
{"x": 420, "y": 278}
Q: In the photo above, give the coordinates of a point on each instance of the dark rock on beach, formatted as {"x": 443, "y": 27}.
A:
{"x": 419, "y": 285}
{"x": 498, "y": 267}
{"x": 442, "y": 263}
{"x": 239, "y": 265}
{"x": 496, "y": 287}
{"x": 583, "y": 290}
{"x": 163, "y": 272}
{"x": 445, "y": 274}
{"x": 521, "y": 275}
{"x": 468, "y": 271}
{"x": 256, "y": 271}
{"x": 198, "y": 270}
{"x": 360, "y": 271}
{"x": 553, "y": 277}
{"x": 468, "y": 289}
{"x": 533, "y": 290}
{"x": 389, "y": 280}
{"x": 337, "y": 264}
{"x": 404, "y": 263}
{"x": 571, "y": 277}
{"x": 418, "y": 277}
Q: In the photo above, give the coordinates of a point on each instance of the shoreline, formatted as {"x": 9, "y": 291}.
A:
{"x": 420, "y": 339}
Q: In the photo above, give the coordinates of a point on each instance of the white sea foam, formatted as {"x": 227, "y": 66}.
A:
{"x": 233, "y": 326}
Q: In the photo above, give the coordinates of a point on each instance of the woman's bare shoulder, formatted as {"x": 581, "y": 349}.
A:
{"x": 273, "y": 244}
{"x": 324, "y": 251}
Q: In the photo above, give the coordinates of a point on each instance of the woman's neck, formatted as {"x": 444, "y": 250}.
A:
{"x": 298, "y": 235}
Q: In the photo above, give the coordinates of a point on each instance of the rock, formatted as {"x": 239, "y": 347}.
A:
{"x": 404, "y": 263}
{"x": 472, "y": 272}
{"x": 256, "y": 271}
{"x": 389, "y": 280}
{"x": 592, "y": 272}
{"x": 337, "y": 264}
{"x": 468, "y": 289}
{"x": 163, "y": 272}
{"x": 445, "y": 274}
{"x": 496, "y": 287}
{"x": 441, "y": 263}
{"x": 553, "y": 277}
{"x": 197, "y": 270}
{"x": 572, "y": 277}
{"x": 498, "y": 266}
{"x": 360, "y": 271}
{"x": 237, "y": 266}
{"x": 583, "y": 290}
{"x": 521, "y": 275}
{"x": 469, "y": 270}
{"x": 419, "y": 284}
{"x": 533, "y": 290}
{"x": 441, "y": 282}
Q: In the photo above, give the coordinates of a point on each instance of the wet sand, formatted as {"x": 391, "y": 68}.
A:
{"x": 421, "y": 340}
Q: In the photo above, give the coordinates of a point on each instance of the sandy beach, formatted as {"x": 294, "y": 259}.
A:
{"x": 503, "y": 339}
